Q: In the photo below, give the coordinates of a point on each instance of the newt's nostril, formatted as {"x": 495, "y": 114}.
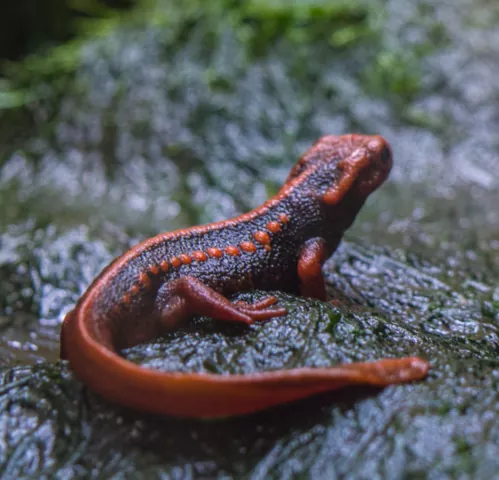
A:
{"x": 386, "y": 156}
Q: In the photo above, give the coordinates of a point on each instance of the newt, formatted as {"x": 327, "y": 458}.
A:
{"x": 157, "y": 285}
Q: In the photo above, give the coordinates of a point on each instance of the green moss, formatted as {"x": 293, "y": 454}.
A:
{"x": 395, "y": 74}
{"x": 263, "y": 24}
{"x": 259, "y": 25}
{"x": 52, "y": 56}
{"x": 334, "y": 319}
{"x": 421, "y": 118}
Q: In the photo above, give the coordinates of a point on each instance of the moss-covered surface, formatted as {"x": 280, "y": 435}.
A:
{"x": 185, "y": 115}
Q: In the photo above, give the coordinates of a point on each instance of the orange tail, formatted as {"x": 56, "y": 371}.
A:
{"x": 208, "y": 395}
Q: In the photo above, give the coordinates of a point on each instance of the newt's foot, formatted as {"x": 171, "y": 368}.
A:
{"x": 260, "y": 310}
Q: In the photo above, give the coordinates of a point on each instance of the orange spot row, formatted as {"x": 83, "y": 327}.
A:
{"x": 144, "y": 280}
{"x": 260, "y": 236}
{"x": 248, "y": 247}
{"x": 185, "y": 259}
{"x": 154, "y": 269}
{"x": 283, "y": 218}
{"x": 199, "y": 256}
{"x": 175, "y": 261}
{"x": 214, "y": 252}
{"x": 134, "y": 290}
{"x": 231, "y": 250}
{"x": 273, "y": 226}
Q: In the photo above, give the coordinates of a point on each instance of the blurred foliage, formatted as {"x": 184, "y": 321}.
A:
{"x": 40, "y": 41}
{"x": 339, "y": 23}
{"x": 28, "y": 25}
{"x": 48, "y": 47}
{"x": 396, "y": 72}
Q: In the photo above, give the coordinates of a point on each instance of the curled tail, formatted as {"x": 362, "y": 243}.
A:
{"x": 99, "y": 366}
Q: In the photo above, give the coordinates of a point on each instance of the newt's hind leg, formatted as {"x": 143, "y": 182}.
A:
{"x": 187, "y": 296}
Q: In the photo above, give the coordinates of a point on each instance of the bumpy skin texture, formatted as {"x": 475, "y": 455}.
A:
{"x": 163, "y": 281}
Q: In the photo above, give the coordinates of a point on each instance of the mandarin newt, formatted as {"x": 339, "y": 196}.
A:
{"x": 157, "y": 285}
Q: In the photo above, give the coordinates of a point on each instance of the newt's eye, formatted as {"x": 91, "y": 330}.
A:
{"x": 386, "y": 156}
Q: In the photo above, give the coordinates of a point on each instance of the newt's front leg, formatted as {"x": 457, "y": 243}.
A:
{"x": 381, "y": 372}
{"x": 312, "y": 256}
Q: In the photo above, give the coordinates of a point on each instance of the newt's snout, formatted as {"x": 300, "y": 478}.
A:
{"x": 381, "y": 153}
{"x": 378, "y": 167}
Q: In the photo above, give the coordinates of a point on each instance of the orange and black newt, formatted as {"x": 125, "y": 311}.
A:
{"x": 161, "y": 282}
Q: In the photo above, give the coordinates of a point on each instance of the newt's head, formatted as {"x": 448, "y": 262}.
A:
{"x": 349, "y": 164}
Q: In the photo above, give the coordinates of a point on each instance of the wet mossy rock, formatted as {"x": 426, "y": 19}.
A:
{"x": 51, "y": 424}
{"x": 187, "y": 115}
